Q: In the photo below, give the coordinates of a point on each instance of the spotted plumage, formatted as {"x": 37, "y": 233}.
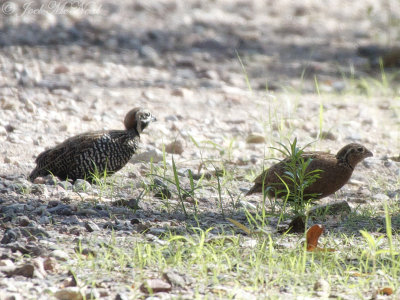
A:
{"x": 94, "y": 153}
{"x": 336, "y": 170}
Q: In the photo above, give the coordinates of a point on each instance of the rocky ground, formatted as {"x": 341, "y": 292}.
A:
{"x": 225, "y": 79}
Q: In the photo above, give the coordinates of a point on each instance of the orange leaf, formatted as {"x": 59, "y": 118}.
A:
{"x": 387, "y": 291}
{"x": 313, "y": 235}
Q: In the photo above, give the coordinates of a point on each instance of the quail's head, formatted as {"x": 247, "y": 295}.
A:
{"x": 353, "y": 154}
{"x": 138, "y": 118}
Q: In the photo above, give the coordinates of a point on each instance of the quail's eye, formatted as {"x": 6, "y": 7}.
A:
{"x": 360, "y": 149}
{"x": 147, "y": 115}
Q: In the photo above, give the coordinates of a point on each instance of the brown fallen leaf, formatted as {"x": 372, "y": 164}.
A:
{"x": 313, "y": 235}
{"x": 387, "y": 291}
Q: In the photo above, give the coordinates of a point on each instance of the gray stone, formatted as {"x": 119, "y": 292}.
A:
{"x": 195, "y": 175}
{"x": 172, "y": 118}
{"x": 13, "y": 209}
{"x": 20, "y": 188}
{"x": 39, "y": 189}
{"x": 33, "y": 231}
{"x": 132, "y": 203}
{"x": 155, "y": 286}
{"x": 148, "y": 52}
{"x": 11, "y": 235}
{"x": 91, "y": 226}
{"x": 87, "y": 212}
{"x": 44, "y": 220}
{"x": 157, "y": 231}
{"x": 73, "y": 220}
{"x": 82, "y": 186}
{"x": 66, "y": 185}
{"x": 75, "y": 231}
{"x": 159, "y": 183}
{"x": 23, "y": 221}
{"x": 174, "y": 278}
{"x": 163, "y": 193}
{"x": 62, "y": 210}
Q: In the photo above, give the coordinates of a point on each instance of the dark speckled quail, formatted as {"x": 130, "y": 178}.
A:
{"x": 96, "y": 152}
{"x": 336, "y": 170}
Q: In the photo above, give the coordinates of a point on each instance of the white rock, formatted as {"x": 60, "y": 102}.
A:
{"x": 82, "y": 186}
{"x": 59, "y": 255}
{"x": 3, "y": 131}
{"x": 153, "y": 155}
{"x": 380, "y": 197}
{"x": 6, "y": 265}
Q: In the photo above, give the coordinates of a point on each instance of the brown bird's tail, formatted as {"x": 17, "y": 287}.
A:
{"x": 35, "y": 173}
{"x": 255, "y": 189}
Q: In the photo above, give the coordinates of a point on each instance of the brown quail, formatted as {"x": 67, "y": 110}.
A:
{"x": 335, "y": 171}
{"x": 98, "y": 152}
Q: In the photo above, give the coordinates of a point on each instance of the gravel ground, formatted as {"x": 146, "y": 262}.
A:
{"x": 69, "y": 69}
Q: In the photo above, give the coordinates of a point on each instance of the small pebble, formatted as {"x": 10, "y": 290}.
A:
{"x": 255, "y": 139}
{"x": 175, "y": 147}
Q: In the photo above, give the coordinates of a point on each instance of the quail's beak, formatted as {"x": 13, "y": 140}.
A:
{"x": 153, "y": 119}
{"x": 368, "y": 154}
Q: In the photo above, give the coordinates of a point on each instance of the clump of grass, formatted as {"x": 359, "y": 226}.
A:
{"x": 170, "y": 184}
{"x": 178, "y": 186}
{"x": 297, "y": 177}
